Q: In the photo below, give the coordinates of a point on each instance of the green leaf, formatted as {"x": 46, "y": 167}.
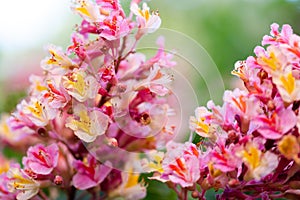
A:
{"x": 157, "y": 190}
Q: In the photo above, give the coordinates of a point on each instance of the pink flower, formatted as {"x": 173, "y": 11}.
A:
{"x": 41, "y": 159}
{"x": 10, "y": 134}
{"x": 78, "y": 46}
{"x": 56, "y": 95}
{"x": 157, "y": 81}
{"x": 273, "y": 60}
{"x": 275, "y": 124}
{"x": 278, "y": 37}
{"x": 37, "y": 86}
{"x": 223, "y": 157}
{"x": 162, "y": 58}
{"x": 109, "y": 5}
{"x": 153, "y": 162}
{"x": 181, "y": 164}
{"x": 289, "y": 147}
{"x": 114, "y": 27}
{"x": 241, "y": 107}
{"x": 89, "y": 173}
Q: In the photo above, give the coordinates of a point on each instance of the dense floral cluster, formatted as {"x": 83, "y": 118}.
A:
{"x": 249, "y": 147}
{"x": 99, "y": 91}
{"x": 100, "y": 96}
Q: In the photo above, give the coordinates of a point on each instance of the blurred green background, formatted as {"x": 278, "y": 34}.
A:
{"x": 227, "y": 29}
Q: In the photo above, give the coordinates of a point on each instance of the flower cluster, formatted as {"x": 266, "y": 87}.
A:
{"x": 98, "y": 92}
{"x": 100, "y": 102}
{"x": 249, "y": 147}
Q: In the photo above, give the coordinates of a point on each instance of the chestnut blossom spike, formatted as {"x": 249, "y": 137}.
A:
{"x": 99, "y": 86}
{"x": 256, "y": 129}
{"x": 102, "y": 95}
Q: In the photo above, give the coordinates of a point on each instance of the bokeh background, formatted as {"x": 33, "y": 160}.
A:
{"x": 228, "y": 30}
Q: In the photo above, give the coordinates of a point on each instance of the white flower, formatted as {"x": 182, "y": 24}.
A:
{"x": 87, "y": 125}
{"x": 81, "y": 86}
{"x": 20, "y": 182}
{"x": 88, "y": 10}
{"x": 148, "y": 22}
{"x": 38, "y": 112}
{"x": 59, "y": 63}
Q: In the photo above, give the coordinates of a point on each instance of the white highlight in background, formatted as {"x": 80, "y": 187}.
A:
{"x": 26, "y": 23}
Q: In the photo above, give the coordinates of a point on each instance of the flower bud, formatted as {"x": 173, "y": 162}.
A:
{"x": 58, "y": 180}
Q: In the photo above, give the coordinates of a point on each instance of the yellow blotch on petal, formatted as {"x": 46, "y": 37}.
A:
{"x": 289, "y": 147}
{"x": 133, "y": 180}
{"x": 78, "y": 83}
{"x": 55, "y": 57}
{"x": 288, "y": 82}
{"x": 271, "y": 62}
{"x": 84, "y": 123}
{"x": 214, "y": 172}
{"x": 252, "y": 157}
{"x": 201, "y": 126}
{"x": 83, "y": 10}
{"x": 39, "y": 87}
{"x": 147, "y": 15}
{"x": 21, "y": 181}
{"x": 36, "y": 109}
{"x": 156, "y": 164}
